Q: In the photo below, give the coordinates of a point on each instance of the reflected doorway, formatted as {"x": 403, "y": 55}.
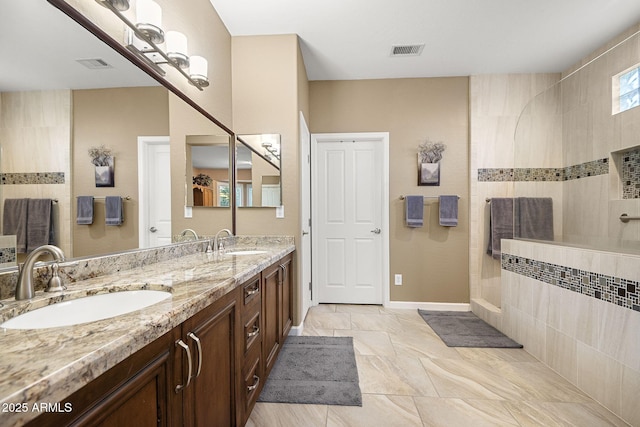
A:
{"x": 154, "y": 189}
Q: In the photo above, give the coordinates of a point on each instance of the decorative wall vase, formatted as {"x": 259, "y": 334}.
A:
{"x": 105, "y": 175}
{"x": 428, "y": 173}
{"x": 429, "y": 156}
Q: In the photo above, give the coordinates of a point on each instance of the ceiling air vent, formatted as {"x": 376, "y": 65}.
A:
{"x": 94, "y": 64}
{"x": 407, "y": 50}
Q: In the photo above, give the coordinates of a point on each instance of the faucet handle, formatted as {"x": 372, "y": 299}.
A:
{"x": 55, "y": 283}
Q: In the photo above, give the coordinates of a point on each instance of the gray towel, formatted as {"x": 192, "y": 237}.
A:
{"x": 448, "y": 211}
{"x": 14, "y": 221}
{"x": 534, "y": 218}
{"x": 40, "y": 223}
{"x": 85, "y": 210}
{"x": 500, "y": 224}
{"x": 113, "y": 210}
{"x": 414, "y": 211}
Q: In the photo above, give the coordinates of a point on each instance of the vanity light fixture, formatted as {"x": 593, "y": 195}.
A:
{"x": 270, "y": 151}
{"x": 198, "y": 70}
{"x": 149, "y": 20}
{"x": 143, "y": 38}
{"x": 177, "y": 48}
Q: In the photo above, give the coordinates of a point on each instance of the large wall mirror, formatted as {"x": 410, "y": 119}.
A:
{"x": 63, "y": 91}
{"x": 258, "y": 178}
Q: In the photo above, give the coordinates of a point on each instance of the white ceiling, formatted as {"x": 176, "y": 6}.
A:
{"x": 352, "y": 39}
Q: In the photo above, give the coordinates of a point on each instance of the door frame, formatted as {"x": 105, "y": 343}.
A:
{"x": 306, "y": 231}
{"x": 382, "y": 138}
{"x": 143, "y": 192}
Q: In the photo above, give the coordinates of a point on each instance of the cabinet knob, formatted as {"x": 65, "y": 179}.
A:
{"x": 186, "y": 348}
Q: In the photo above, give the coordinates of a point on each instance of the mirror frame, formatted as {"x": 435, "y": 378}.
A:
{"x": 75, "y": 15}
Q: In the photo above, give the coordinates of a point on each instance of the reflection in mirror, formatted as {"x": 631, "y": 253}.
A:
{"x": 258, "y": 182}
{"x": 52, "y": 114}
{"x": 207, "y": 170}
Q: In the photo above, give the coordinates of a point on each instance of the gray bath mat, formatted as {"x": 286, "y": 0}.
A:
{"x": 465, "y": 329}
{"x": 315, "y": 370}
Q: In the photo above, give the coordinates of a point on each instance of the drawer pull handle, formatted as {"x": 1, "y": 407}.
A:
{"x": 186, "y": 348}
{"x": 197, "y": 340}
{"x": 256, "y": 381}
{"x": 256, "y": 331}
{"x": 252, "y": 291}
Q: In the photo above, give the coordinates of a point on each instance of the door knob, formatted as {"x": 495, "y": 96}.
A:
{"x": 376, "y": 231}
{"x": 153, "y": 229}
{"x": 304, "y": 233}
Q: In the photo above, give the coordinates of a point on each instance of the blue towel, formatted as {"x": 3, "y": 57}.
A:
{"x": 14, "y": 221}
{"x": 414, "y": 211}
{"x": 113, "y": 210}
{"x": 85, "y": 210}
{"x": 448, "y": 211}
{"x": 40, "y": 223}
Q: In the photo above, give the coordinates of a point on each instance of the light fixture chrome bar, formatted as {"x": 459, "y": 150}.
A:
{"x": 109, "y": 5}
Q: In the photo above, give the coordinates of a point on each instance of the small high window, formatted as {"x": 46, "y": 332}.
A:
{"x": 626, "y": 90}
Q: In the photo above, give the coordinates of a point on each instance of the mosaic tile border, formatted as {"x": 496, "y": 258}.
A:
{"x": 32, "y": 178}
{"x": 631, "y": 174}
{"x": 583, "y": 170}
{"x": 8, "y": 255}
{"x": 615, "y": 290}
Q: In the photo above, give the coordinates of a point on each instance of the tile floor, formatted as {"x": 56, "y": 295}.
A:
{"x": 409, "y": 377}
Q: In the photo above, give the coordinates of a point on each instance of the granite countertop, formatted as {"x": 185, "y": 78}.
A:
{"x": 47, "y": 365}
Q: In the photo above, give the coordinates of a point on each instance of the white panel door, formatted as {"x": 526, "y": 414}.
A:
{"x": 155, "y": 196}
{"x": 348, "y": 207}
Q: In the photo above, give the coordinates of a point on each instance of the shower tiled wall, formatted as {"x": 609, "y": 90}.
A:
{"x": 583, "y": 170}
{"x": 8, "y": 256}
{"x": 35, "y": 130}
{"x": 631, "y": 174}
{"x": 577, "y": 311}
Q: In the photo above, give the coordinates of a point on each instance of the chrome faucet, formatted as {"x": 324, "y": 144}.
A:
{"x": 219, "y": 246}
{"x": 24, "y": 287}
{"x": 188, "y": 230}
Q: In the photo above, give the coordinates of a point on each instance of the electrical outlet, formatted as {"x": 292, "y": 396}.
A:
{"x": 398, "y": 279}
{"x": 188, "y": 212}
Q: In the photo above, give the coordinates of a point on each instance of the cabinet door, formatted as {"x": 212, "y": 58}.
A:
{"x": 286, "y": 299}
{"x": 138, "y": 392}
{"x": 210, "y": 398}
{"x": 271, "y": 314}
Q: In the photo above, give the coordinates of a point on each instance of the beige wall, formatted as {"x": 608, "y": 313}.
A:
{"x": 35, "y": 136}
{"x": 433, "y": 260}
{"x": 114, "y": 118}
{"x": 269, "y": 89}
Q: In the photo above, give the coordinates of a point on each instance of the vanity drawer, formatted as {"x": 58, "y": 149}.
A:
{"x": 252, "y": 333}
{"x": 251, "y": 292}
{"x": 252, "y": 381}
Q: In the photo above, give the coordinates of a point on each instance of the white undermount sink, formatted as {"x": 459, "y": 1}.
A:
{"x": 86, "y": 309}
{"x": 246, "y": 252}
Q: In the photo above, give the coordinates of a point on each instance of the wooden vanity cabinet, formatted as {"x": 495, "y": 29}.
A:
{"x": 212, "y": 335}
{"x": 277, "y": 282}
{"x": 208, "y": 371}
{"x": 139, "y": 392}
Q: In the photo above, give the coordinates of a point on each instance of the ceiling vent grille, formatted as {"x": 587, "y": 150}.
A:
{"x": 94, "y": 63}
{"x": 407, "y": 50}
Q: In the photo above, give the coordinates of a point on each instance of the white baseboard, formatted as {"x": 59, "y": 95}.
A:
{"x": 296, "y": 330}
{"x": 435, "y": 306}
